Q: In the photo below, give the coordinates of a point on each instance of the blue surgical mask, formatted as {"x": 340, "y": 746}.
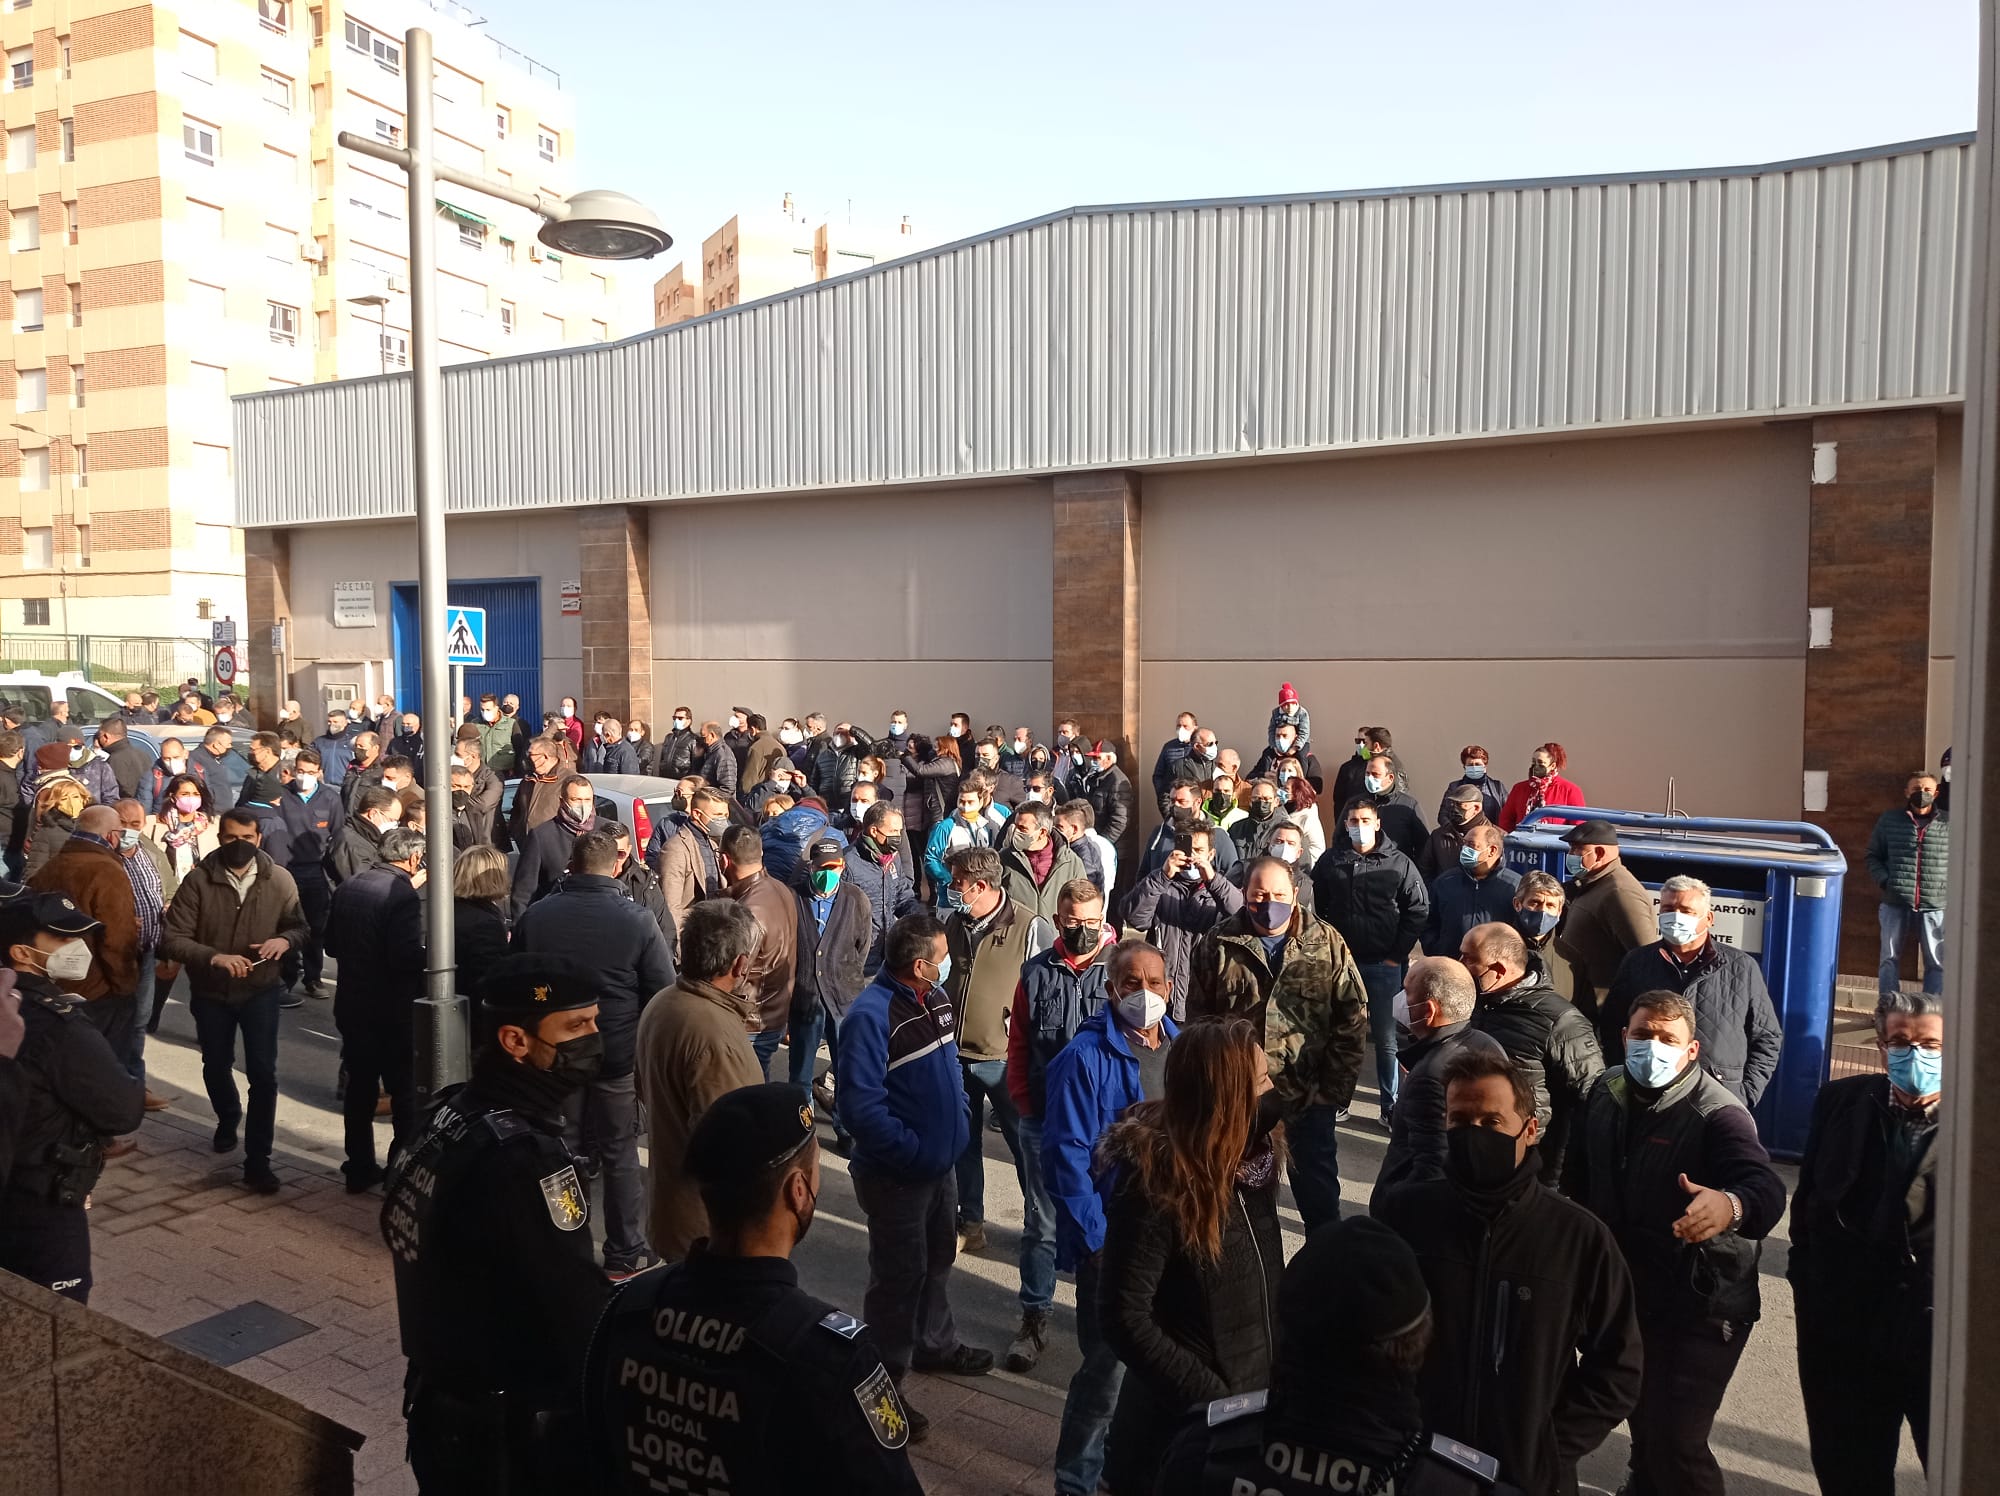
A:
{"x": 1572, "y": 866}
{"x": 1468, "y": 856}
{"x": 1654, "y": 1064}
{"x": 1678, "y": 927}
{"x": 1475, "y": 771}
{"x": 1535, "y": 923}
{"x": 953, "y": 899}
{"x": 1375, "y": 785}
{"x": 1916, "y": 1072}
{"x": 944, "y": 969}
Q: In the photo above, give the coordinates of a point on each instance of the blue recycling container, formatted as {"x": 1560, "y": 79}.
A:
{"x": 1777, "y": 888}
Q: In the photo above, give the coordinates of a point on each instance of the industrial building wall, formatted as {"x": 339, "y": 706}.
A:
{"x": 932, "y": 600}
{"x": 1640, "y": 600}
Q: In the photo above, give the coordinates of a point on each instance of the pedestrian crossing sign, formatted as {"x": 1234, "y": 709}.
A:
{"x": 465, "y": 636}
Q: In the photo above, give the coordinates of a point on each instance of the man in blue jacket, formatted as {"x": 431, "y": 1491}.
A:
{"x": 1118, "y": 1057}
{"x": 902, "y": 1100}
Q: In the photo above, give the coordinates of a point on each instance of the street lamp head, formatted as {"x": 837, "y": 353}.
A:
{"x": 600, "y": 225}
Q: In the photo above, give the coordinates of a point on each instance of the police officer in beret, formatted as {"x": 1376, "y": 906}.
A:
{"x": 719, "y": 1373}
{"x": 489, "y": 1227}
{"x": 77, "y": 1094}
{"x": 1342, "y": 1412}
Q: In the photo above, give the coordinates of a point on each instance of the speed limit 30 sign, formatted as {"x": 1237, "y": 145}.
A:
{"x": 225, "y": 666}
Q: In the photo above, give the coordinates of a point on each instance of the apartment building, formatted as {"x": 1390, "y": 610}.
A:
{"x": 182, "y": 228}
{"x": 754, "y": 255}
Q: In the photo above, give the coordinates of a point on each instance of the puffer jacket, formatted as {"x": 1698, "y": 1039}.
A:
{"x": 1173, "y": 914}
{"x": 1552, "y": 1046}
{"x": 1375, "y": 899}
{"x": 1733, "y": 1016}
{"x": 678, "y": 754}
{"x": 890, "y": 894}
{"x": 1313, "y": 1009}
{"x": 1907, "y": 857}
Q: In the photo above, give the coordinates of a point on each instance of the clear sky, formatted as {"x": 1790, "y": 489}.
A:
{"x": 969, "y": 117}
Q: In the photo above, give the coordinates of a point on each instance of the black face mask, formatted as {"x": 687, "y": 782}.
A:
{"x": 890, "y": 845}
{"x": 237, "y": 855}
{"x": 461, "y": 799}
{"x": 1082, "y": 939}
{"x": 1259, "y": 811}
{"x": 1922, "y": 799}
{"x": 577, "y": 1060}
{"x": 1480, "y": 1158}
{"x": 1270, "y": 1112}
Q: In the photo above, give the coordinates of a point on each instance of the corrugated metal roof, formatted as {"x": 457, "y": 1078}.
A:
{"x": 1177, "y": 332}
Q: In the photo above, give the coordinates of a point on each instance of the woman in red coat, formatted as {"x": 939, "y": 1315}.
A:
{"x": 1544, "y": 785}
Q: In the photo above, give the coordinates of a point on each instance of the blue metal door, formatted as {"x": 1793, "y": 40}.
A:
{"x": 513, "y": 641}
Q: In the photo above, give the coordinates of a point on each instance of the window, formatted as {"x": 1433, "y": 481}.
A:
{"x": 506, "y": 319}
{"x": 24, "y": 230}
{"x": 82, "y": 558}
{"x": 198, "y": 141}
{"x": 472, "y": 235}
{"x": 600, "y": 332}
{"x": 76, "y": 386}
{"x": 277, "y": 91}
{"x": 32, "y": 390}
{"x": 506, "y": 249}
{"x": 395, "y": 348}
{"x": 388, "y": 56}
{"x": 82, "y": 475}
{"x": 28, "y": 311}
{"x": 275, "y": 14}
{"x": 65, "y": 56}
{"x": 545, "y": 145}
{"x": 284, "y": 322}
{"x": 197, "y": 58}
{"x": 70, "y": 227}
{"x": 76, "y": 303}
{"x": 552, "y": 267}
{"x": 20, "y": 67}
{"x": 503, "y": 121}
{"x": 35, "y": 470}
{"x": 206, "y": 302}
{"x": 319, "y": 24}
{"x": 38, "y": 552}
{"x": 69, "y": 140}
{"x": 35, "y": 612}
{"x": 280, "y": 244}
{"x": 21, "y": 149}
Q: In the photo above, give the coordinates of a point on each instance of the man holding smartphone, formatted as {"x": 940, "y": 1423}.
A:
{"x": 234, "y": 919}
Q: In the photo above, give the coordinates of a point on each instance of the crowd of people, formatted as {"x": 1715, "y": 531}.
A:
{"x": 946, "y": 931}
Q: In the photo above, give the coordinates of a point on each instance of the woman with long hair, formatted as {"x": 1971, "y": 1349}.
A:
{"x": 59, "y": 800}
{"x": 1302, "y": 810}
{"x": 1192, "y": 1252}
{"x": 184, "y": 830}
{"x": 479, "y": 891}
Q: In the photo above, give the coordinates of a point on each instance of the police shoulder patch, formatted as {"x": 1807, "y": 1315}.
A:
{"x": 883, "y": 1409}
{"x": 569, "y": 1208}
{"x": 1229, "y": 1409}
{"x": 843, "y": 1324}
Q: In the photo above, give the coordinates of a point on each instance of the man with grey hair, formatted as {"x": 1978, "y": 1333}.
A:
{"x": 1734, "y": 1019}
{"x": 694, "y": 1045}
{"x": 1434, "y": 1011}
{"x": 1478, "y": 890}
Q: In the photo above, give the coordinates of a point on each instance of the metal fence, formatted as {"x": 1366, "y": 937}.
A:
{"x": 114, "y": 662}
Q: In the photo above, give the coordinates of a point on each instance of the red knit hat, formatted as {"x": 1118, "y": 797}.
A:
{"x": 1287, "y": 696}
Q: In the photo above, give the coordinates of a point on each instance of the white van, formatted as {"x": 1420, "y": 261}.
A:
{"x": 33, "y": 692}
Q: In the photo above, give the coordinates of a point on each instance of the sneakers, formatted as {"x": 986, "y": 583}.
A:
{"x": 260, "y": 1178}
{"x": 971, "y": 1237}
{"x": 1029, "y": 1341}
{"x": 225, "y": 1137}
{"x": 316, "y": 991}
{"x": 961, "y": 1360}
{"x": 156, "y": 1103}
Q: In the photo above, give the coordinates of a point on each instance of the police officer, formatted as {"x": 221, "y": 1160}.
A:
{"x": 489, "y": 1227}
{"x": 1342, "y": 1414}
{"x": 718, "y": 1373}
{"x": 77, "y": 1094}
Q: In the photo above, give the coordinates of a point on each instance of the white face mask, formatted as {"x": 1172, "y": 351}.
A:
{"x": 1400, "y": 1009}
{"x": 307, "y": 783}
{"x": 1142, "y": 1009}
{"x": 680, "y": 724}
{"x": 632, "y": 734}
{"x": 68, "y": 962}
{"x": 1185, "y": 734}
{"x": 735, "y": 724}
{"x": 1284, "y": 852}
{"x": 790, "y": 736}
{"x": 1677, "y": 926}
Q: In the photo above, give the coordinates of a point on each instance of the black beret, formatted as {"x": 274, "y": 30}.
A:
{"x": 1354, "y": 1282}
{"x": 748, "y": 1131}
{"x": 1593, "y": 834}
{"x": 529, "y": 986}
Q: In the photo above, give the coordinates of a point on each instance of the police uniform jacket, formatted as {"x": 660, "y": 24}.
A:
{"x": 76, "y": 1090}
{"x": 721, "y": 1374}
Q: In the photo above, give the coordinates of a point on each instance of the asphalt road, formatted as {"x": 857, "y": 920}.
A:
{"x": 1759, "y": 1437}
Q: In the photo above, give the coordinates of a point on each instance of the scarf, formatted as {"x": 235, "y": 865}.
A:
{"x": 182, "y": 832}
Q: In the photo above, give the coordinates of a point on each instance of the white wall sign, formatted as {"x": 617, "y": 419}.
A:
{"x": 572, "y": 597}
{"x": 354, "y": 605}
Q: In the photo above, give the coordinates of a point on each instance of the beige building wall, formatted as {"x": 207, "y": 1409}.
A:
{"x": 855, "y": 604}
{"x": 757, "y": 255}
{"x": 194, "y": 234}
{"x": 1640, "y": 600}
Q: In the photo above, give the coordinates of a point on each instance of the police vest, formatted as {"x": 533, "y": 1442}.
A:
{"x": 1247, "y": 1458}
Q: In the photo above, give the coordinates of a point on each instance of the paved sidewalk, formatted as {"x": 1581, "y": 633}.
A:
{"x": 176, "y": 1237}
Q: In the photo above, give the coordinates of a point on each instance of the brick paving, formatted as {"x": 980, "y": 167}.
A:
{"x": 175, "y": 1237}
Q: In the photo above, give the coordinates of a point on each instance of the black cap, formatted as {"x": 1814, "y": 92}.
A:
{"x": 26, "y": 913}
{"x": 1593, "y": 834}
{"x": 748, "y": 1131}
{"x": 826, "y": 852}
{"x": 525, "y": 988}
{"x": 1354, "y": 1282}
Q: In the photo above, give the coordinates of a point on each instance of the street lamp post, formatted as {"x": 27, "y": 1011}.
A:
{"x": 596, "y": 225}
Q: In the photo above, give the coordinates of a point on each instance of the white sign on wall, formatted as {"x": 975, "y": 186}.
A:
{"x": 1738, "y": 922}
{"x": 354, "y": 605}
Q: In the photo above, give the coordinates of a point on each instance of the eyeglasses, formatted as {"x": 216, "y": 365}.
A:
{"x": 1929, "y": 1046}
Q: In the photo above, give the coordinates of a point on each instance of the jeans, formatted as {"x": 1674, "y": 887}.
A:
{"x": 1383, "y": 979}
{"x": 1314, "y": 1138}
{"x": 912, "y": 1241}
{"x": 142, "y": 1013}
{"x": 766, "y": 1045}
{"x": 1896, "y": 925}
{"x": 377, "y": 1052}
{"x": 608, "y": 1109}
{"x": 1038, "y": 1223}
{"x": 985, "y": 1080}
{"x": 216, "y": 1024}
{"x": 804, "y": 1047}
{"x": 1093, "y": 1393}
{"x": 1688, "y": 1367}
